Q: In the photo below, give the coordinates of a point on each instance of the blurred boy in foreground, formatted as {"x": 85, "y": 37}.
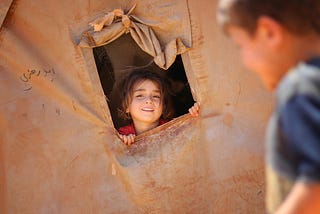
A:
{"x": 280, "y": 41}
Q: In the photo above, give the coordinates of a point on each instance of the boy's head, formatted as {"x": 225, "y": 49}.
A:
{"x": 141, "y": 87}
{"x": 272, "y": 35}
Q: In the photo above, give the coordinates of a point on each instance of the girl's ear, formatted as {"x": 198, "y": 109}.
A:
{"x": 127, "y": 110}
{"x": 270, "y": 31}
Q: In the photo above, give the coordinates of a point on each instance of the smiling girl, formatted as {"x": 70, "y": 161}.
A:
{"x": 146, "y": 101}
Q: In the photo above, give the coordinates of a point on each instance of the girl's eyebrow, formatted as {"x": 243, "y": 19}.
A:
{"x": 142, "y": 89}
{"x": 139, "y": 89}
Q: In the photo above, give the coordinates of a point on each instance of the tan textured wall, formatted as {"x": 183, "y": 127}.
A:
{"x": 59, "y": 153}
{"x": 236, "y": 108}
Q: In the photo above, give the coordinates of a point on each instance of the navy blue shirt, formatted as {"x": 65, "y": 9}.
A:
{"x": 293, "y": 138}
{"x": 300, "y": 126}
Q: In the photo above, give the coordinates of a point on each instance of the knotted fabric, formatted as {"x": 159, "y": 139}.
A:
{"x": 114, "y": 24}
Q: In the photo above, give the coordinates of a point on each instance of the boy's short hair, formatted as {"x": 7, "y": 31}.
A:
{"x": 126, "y": 90}
{"x": 297, "y": 16}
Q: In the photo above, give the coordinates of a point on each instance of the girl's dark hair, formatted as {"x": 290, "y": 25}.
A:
{"x": 297, "y": 16}
{"x": 126, "y": 91}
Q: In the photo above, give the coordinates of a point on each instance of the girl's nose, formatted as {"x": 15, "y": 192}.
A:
{"x": 149, "y": 99}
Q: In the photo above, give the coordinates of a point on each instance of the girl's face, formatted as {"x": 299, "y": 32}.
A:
{"x": 146, "y": 105}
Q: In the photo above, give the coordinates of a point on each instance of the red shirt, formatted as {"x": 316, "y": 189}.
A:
{"x": 129, "y": 129}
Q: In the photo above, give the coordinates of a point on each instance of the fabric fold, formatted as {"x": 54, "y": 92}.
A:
{"x": 112, "y": 25}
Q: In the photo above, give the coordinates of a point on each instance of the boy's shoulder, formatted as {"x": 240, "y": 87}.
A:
{"x": 304, "y": 79}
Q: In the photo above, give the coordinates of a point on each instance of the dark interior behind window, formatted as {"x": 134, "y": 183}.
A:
{"x": 117, "y": 58}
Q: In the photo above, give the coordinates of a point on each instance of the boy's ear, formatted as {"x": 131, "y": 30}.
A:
{"x": 270, "y": 31}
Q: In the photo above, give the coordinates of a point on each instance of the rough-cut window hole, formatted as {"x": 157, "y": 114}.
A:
{"x": 116, "y": 58}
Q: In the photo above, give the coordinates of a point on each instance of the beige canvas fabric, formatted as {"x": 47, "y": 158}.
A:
{"x": 59, "y": 152}
{"x": 4, "y": 9}
{"x": 114, "y": 24}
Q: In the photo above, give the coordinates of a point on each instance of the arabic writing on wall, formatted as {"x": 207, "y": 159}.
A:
{"x": 36, "y": 73}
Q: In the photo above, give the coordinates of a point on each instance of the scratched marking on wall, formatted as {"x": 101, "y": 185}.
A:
{"x": 27, "y": 77}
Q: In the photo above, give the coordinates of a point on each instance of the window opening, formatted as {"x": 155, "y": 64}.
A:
{"x": 115, "y": 59}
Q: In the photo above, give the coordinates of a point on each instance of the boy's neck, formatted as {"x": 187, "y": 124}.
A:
{"x": 307, "y": 47}
{"x": 141, "y": 127}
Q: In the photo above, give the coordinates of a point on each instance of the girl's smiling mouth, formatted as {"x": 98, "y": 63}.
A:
{"x": 147, "y": 109}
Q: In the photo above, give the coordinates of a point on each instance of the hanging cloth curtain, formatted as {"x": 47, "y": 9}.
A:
{"x": 114, "y": 24}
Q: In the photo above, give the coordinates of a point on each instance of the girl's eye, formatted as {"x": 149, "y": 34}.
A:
{"x": 140, "y": 96}
{"x": 156, "y": 97}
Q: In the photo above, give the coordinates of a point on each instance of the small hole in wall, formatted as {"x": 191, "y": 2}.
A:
{"x": 122, "y": 55}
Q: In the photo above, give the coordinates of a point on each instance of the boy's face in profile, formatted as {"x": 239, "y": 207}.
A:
{"x": 260, "y": 53}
